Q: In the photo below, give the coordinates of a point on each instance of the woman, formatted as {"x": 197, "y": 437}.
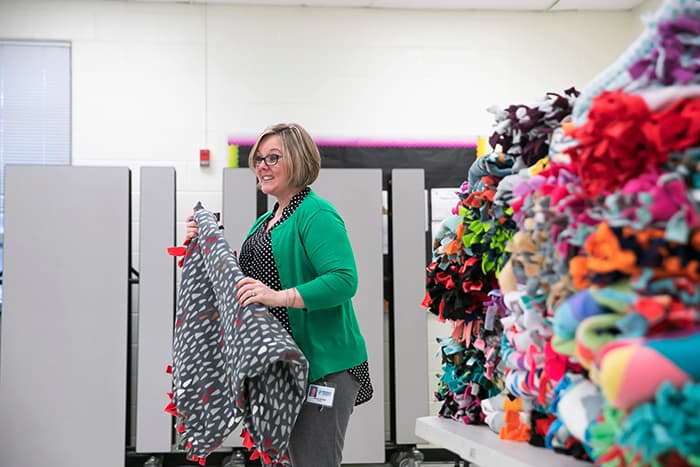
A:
{"x": 300, "y": 265}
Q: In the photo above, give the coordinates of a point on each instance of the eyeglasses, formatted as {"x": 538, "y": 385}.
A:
{"x": 270, "y": 160}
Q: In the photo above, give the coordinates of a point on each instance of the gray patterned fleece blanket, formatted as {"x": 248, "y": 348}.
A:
{"x": 231, "y": 364}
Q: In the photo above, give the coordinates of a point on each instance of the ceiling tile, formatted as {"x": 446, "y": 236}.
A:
{"x": 466, "y": 4}
{"x": 596, "y": 4}
{"x": 512, "y": 5}
{"x": 311, "y": 3}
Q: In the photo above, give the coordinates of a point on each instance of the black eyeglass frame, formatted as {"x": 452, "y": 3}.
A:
{"x": 269, "y": 160}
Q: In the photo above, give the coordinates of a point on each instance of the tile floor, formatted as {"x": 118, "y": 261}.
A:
{"x": 433, "y": 459}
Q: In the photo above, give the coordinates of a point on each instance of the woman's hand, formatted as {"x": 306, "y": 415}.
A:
{"x": 192, "y": 229}
{"x": 254, "y": 291}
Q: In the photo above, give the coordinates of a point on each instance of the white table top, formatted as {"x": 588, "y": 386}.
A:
{"x": 478, "y": 445}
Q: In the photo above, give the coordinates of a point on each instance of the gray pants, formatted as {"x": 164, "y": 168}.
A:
{"x": 318, "y": 435}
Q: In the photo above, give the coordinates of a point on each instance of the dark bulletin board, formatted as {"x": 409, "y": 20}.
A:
{"x": 444, "y": 167}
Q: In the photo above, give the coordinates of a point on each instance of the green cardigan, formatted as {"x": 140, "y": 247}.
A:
{"x": 312, "y": 253}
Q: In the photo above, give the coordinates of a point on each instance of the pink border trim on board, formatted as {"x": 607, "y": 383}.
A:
{"x": 467, "y": 143}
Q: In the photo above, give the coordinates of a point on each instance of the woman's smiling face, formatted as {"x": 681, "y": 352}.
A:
{"x": 271, "y": 167}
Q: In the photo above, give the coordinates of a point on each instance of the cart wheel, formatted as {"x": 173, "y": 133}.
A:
{"x": 154, "y": 461}
{"x": 400, "y": 459}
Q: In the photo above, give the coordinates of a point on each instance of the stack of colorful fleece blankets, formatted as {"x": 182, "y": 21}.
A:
{"x": 597, "y": 299}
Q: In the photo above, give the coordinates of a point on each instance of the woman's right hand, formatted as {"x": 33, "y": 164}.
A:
{"x": 192, "y": 229}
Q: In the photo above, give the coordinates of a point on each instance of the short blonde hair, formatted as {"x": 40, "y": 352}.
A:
{"x": 303, "y": 158}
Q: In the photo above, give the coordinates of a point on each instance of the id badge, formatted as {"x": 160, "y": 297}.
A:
{"x": 320, "y": 394}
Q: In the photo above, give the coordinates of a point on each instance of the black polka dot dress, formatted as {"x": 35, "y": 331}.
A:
{"x": 256, "y": 261}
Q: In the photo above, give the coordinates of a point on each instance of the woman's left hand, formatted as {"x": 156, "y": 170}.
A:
{"x": 254, "y": 291}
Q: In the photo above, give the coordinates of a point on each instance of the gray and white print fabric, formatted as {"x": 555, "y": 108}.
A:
{"x": 231, "y": 364}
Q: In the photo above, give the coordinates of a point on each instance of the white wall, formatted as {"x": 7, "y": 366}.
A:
{"x": 153, "y": 82}
{"x": 647, "y": 6}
